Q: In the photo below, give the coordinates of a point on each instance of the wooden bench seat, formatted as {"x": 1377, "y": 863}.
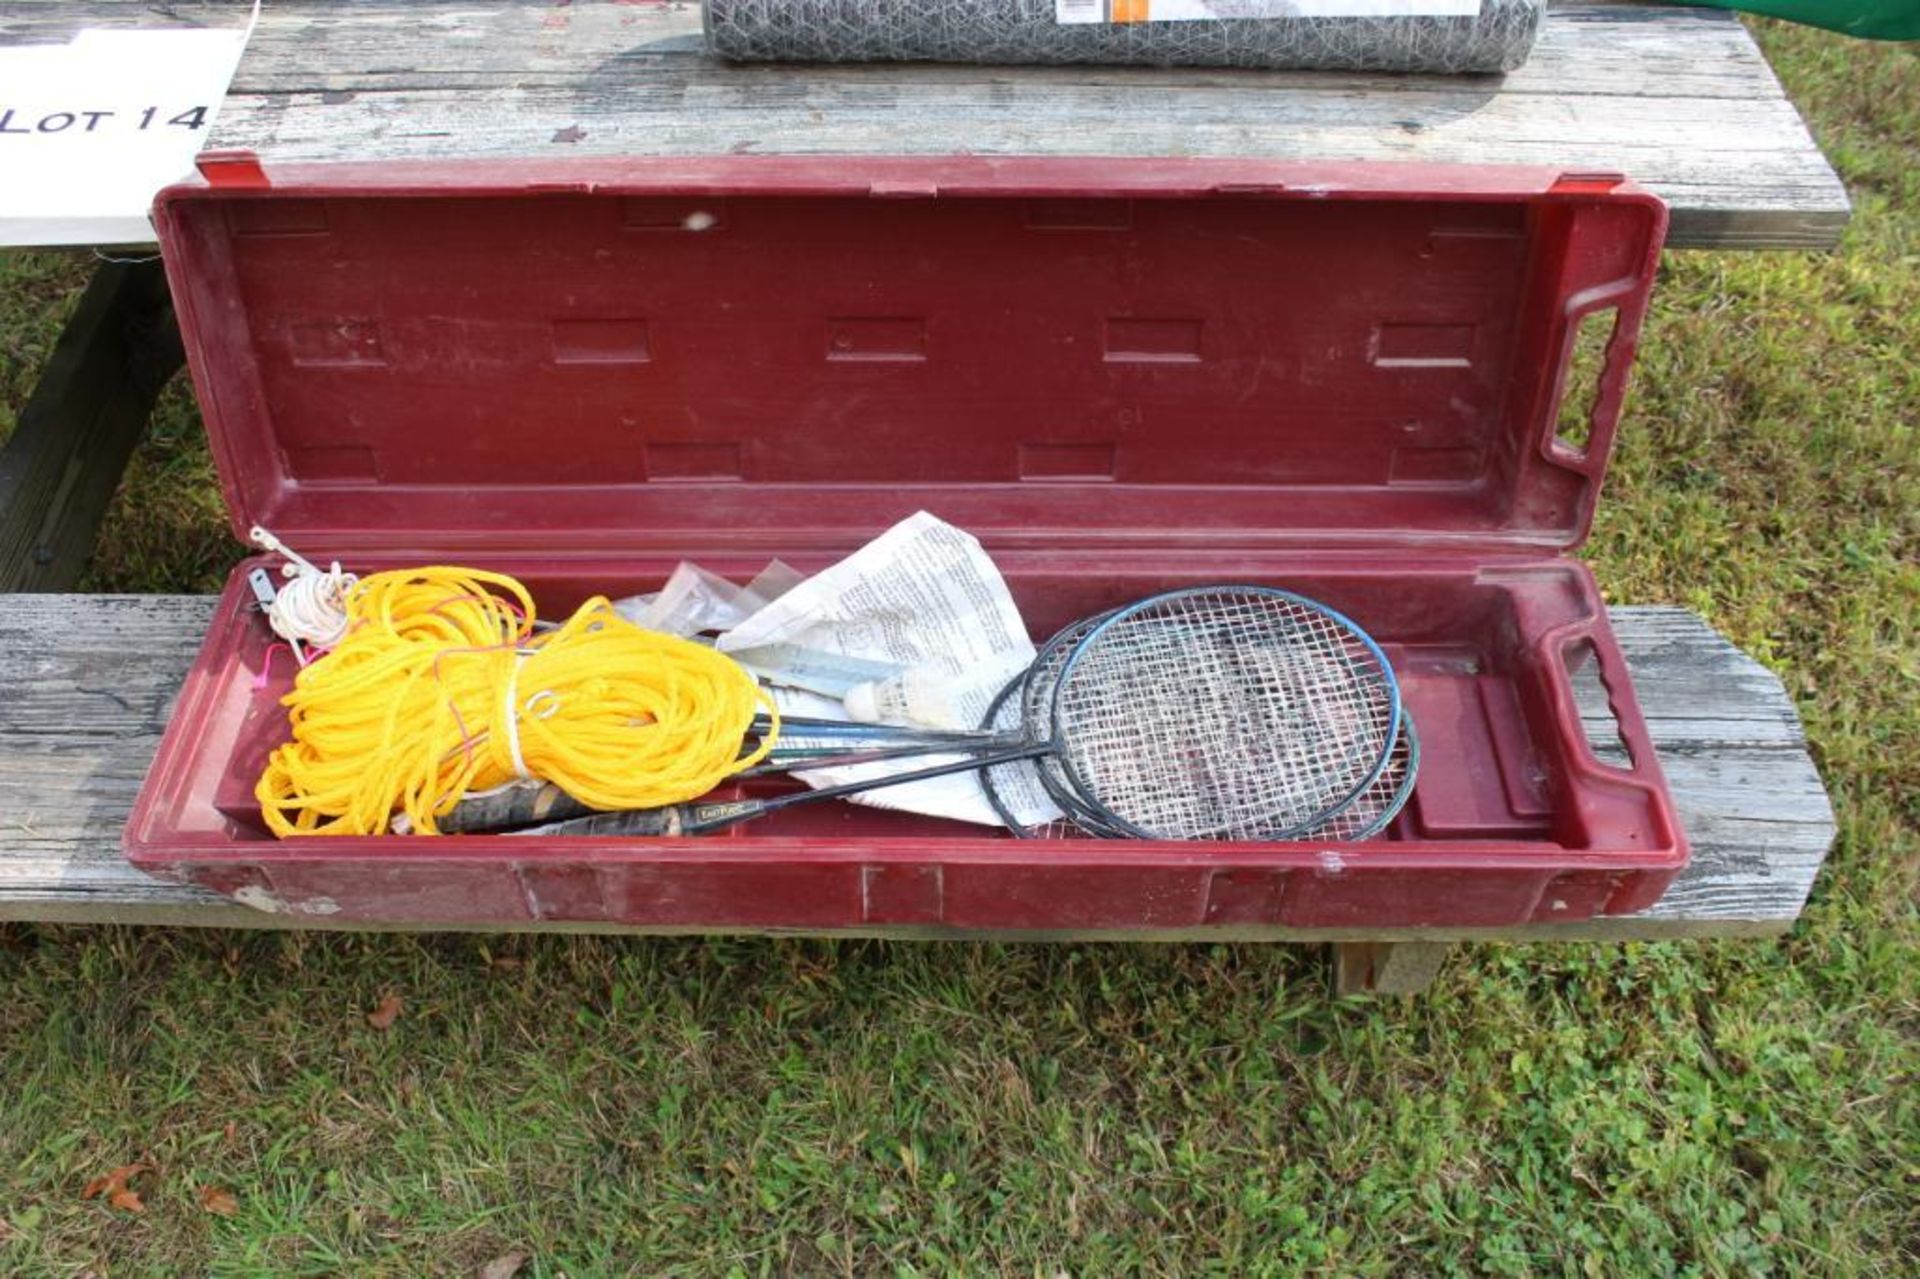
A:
{"x": 86, "y": 684}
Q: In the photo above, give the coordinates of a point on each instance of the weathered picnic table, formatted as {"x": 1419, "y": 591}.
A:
{"x": 1680, "y": 99}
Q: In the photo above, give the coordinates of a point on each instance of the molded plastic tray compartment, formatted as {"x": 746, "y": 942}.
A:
{"x": 1512, "y": 818}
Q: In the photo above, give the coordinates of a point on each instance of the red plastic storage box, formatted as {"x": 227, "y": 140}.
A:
{"x": 1123, "y": 375}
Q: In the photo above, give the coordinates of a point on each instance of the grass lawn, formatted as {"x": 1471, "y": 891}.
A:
{"x": 615, "y": 1106}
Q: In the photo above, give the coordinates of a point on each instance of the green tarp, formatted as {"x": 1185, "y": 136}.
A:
{"x": 1873, "y": 19}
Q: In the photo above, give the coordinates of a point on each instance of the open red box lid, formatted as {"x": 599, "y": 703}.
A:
{"x": 793, "y": 352}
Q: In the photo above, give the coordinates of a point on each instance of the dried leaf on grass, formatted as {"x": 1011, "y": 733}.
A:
{"x": 219, "y": 1201}
{"x": 114, "y": 1186}
{"x": 386, "y": 1014}
{"x": 503, "y": 1267}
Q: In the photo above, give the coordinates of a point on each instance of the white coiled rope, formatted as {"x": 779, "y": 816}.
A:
{"x": 311, "y": 608}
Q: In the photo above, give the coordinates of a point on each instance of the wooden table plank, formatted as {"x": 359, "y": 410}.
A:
{"x": 1680, "y": 99}
{"x": 86, "y": 683}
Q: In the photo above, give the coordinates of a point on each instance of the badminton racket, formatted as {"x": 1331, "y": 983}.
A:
{"x": 1010, "y": 788}
{"x": 1225, "y": 712}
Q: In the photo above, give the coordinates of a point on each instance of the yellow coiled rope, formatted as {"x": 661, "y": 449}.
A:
{"x": 441, "y": 687}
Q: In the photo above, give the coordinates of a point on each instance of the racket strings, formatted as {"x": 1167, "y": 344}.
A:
{"x": 1036, "y": 711}
{"x": 1224, "y": 714}
{"x": 1374, "y": 809}
{"x": 1015, "y": 790}
{"x": 1368, "y": 815}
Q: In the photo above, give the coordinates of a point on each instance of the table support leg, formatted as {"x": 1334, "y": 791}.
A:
{"x": 59, "y": 471}
{"x": 1386, "y": 968}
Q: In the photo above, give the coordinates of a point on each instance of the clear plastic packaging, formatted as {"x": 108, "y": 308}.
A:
{"x": 695, "y": 601}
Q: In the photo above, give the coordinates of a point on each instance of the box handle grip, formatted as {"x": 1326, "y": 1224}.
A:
{"x": 1575, "y": 662}
{"x": 1593, "y": 366}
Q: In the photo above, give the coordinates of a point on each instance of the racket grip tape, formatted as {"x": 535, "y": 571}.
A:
{"x": 680, "y": 819}
{"x": 520, "y": 806}
{"x": 639, "y": 821}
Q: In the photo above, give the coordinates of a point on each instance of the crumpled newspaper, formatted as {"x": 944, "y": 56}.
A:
{"x": 925, "y": 596}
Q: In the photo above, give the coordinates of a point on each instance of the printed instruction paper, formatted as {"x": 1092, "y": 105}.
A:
{"x": 923, "y": 595}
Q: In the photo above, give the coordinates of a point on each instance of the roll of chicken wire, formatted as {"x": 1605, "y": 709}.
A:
{"x": 1492, "y": 35}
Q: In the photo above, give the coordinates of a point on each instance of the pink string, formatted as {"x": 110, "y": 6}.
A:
{"x": 265, "y": 676}
{"x": 449, "y": 652}
{"x": 519, "y": 614}
{"x": 467, "y": 739}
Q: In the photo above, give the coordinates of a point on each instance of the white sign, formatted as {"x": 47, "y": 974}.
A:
{"x": 91, "y": 129}
{"x": 1082, "y": 12}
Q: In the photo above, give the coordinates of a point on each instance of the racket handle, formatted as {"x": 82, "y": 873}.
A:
{"x": 830, "y": 757}
{"x": 638, "y": 821}
{"x": 698, "y": 819}
{"x": 679, "y": 819}
{"x": 521, "y": 806}
{"x": 796, "y": 726}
